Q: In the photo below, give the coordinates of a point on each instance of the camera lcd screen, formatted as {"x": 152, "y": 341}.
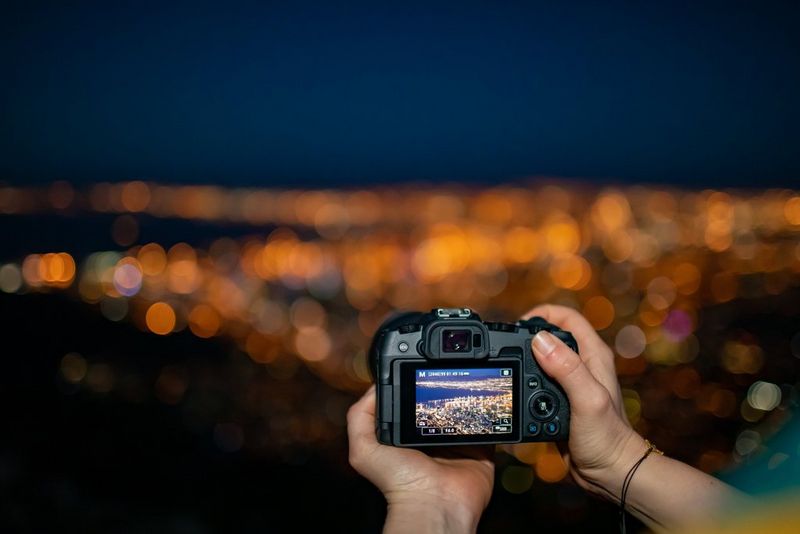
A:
{"x": 464, "y": 401}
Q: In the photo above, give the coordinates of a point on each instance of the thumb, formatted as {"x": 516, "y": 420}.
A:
{"x": 586, "y": 395}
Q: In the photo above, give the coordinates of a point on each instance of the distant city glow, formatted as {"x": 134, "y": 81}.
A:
{"x": 317, "y": 271}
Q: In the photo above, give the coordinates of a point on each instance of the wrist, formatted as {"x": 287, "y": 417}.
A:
{"x": 609, "y": 480}
{"x": 424, "y": 514}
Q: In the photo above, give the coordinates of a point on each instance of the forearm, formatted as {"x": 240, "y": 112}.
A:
{"x": 428, "y": 517}
{"x": 669, "y": 495}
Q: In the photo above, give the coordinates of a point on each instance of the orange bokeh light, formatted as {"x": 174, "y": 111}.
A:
{"x": 522, "y": 244}
{"x": 160, "y": 318}
{"x": 55, "y": 269}
{"x": 550, "y": 467}
{"x": 152, "y": 258}
{"x": 611, "y": 211}
{"x": 563, "y": 236}
{"x": 791, "y": 210}
{"x": 204, "y": 321}
{"x": 599, "y": 311}
{"x": 687, "y": 278}
{"x": 135, "y": 196}
{"x": 570, "y": 272}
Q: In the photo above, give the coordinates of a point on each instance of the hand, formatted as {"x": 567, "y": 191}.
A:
{"x": 445, "y": 491}
{"x": 665, "y": 494}
{"x": 602, "y": 445}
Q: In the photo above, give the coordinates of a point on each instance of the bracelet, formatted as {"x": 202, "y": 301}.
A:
{"x": 627, "y": 482}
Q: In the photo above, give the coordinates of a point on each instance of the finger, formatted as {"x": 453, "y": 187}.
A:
{"x": 568, "y": 319}
{"x": 563, "y": 449}
{"x": 587, "y": 396}
{"x": 367, "y": 402}
{"x": 361, "y": 416}
{"x": 594, "y": 352}
{"x": 361, "y": 424}
{"x": 483, "y": 453}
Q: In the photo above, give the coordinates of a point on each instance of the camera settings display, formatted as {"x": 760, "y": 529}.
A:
{"x": 464, "y": 401}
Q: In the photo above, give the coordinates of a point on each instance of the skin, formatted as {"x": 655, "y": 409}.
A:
{"x": 445, "y": 491}
{"x": 449, "y": 491}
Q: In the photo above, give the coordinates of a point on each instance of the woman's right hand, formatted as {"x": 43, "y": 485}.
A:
{"x": 602, "y": 445}
{"x": 665, "y": 494}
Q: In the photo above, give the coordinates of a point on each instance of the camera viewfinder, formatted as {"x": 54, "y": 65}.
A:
{"x": 456, "y": 340}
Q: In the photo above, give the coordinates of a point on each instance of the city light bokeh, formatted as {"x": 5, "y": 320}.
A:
{"x": 315, "y": 271}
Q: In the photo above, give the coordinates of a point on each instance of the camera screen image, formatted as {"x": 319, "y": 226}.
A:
{"x": 464, "y": 401}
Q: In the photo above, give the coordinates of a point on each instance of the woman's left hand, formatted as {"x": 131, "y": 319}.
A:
{"x": 444, "y": 491}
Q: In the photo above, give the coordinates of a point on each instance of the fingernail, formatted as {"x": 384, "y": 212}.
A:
{"x": 544, "y": 343}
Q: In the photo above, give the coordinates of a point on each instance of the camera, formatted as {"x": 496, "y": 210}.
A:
{"x": 448, "y": 378}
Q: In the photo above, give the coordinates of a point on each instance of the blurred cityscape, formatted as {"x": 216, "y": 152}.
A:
{"x": 261, "y": 304}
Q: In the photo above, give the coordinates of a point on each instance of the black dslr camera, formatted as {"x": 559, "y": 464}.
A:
{"x": 448, "y": 378}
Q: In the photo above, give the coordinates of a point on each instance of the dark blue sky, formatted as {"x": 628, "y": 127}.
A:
{"x": 337, "y": 93}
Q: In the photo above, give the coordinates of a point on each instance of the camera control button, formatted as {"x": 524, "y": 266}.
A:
{"x": 534, "y": 382}
{"x": 543, "y": 405}
{"x": 551, "y": 428}
{"x": 408, "y": 328}
{"x": 403, "y": 346}
{"x": 534, "y": 429}
{"x": 534, "y": 324}
{"x": 500, "y": 327}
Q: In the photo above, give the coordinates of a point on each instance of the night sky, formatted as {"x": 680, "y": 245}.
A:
{"x": 335, "y": 93}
